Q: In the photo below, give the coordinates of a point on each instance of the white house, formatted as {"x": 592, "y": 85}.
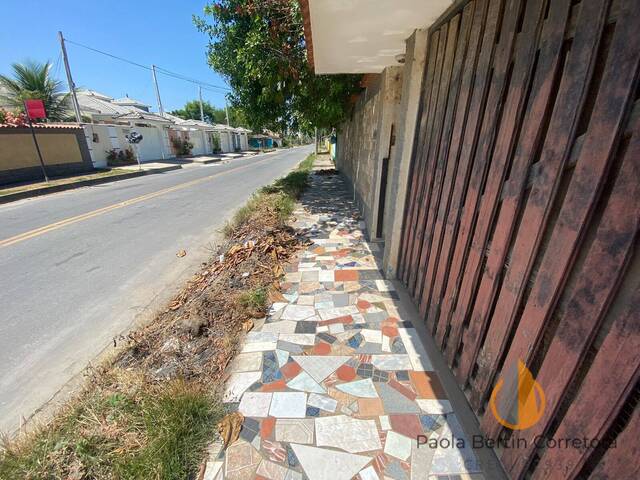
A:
{"x": 109, "y": 120}
{"x": 207, "y": 138}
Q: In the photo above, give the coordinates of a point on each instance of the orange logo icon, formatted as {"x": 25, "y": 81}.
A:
{"x": 518, "y": 401}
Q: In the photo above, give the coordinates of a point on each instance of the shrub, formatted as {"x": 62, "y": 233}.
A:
{"x": 183, "y": 147}
{"x": 117, "y": 157}
{"x": 215, "y": 140}
{"x": 15, "y": 119}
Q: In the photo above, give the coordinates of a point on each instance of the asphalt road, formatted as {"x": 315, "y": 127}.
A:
{"x": 79, "y": 267}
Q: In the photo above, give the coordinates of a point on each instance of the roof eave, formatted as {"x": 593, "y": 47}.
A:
{"x": 308, "y": 36}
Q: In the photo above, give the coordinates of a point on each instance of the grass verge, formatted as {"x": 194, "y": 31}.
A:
{"x": 151, "y": 412}
{"x": 279, "y": 197}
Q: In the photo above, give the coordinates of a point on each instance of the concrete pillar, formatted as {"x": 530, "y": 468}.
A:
{"x": 406, "y": 119}
{"x": 389, "y": 105}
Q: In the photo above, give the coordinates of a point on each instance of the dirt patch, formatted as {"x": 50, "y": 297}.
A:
{"x": 197, "y": 335}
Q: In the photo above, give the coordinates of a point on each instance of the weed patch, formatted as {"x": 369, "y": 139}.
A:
{"x": 122, "y": 428}
{"x": 254, "y": 300}
{"x": 279, "y": 199}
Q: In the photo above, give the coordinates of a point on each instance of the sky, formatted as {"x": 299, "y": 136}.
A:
{"x": 145, "y": 31}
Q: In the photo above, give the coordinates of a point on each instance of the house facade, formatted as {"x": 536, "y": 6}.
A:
{"x": 110, "y": 120}
{"x": 491, "y": 152}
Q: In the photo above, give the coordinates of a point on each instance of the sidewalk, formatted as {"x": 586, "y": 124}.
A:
{"x": 335, "y": 385}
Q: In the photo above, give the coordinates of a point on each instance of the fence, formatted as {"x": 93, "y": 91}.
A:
{"x": 63, "y": 147}
{"x": 521, "y": 225}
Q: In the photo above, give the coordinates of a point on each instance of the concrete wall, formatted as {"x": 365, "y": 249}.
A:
{"x": 366, "y": 139}
{"x": 400, "y": 161}
{"x": 64, "y": 151}
{"x": 226, "y": 143}
{"x": 244, "y": 141}
{"x": 151, "y": 146}
{"x": 102, "y": 138}
{"x": 382, "y": 126}
{"x": 199, "y": 143}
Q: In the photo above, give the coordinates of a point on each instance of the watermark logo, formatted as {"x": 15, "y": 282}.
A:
{"x": 517, "y": 401}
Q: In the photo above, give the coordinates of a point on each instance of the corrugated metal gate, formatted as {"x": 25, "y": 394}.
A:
{"x": 521, "y": 226}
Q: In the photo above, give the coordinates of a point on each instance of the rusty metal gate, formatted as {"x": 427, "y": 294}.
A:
{"x": 521, "y": 225}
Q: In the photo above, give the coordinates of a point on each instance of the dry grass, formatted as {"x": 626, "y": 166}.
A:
{"x": 150, "y": 413}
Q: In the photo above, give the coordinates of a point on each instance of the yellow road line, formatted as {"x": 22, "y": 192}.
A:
{"x": 85, "y": 216}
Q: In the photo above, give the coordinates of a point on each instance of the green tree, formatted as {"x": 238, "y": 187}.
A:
{"x": 191, "y": 111}
{"x": 212, "y": 114}
{"x": 33, "y": 80}
{"x": 259, "y": 47}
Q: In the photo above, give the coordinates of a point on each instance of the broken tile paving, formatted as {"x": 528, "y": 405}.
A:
{"x": 335, "y": 385}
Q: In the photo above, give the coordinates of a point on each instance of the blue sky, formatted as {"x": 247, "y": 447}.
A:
{"x": 146, "y": 31}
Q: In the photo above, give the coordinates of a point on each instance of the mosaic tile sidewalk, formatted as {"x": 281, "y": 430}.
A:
{"x": 335, "y": 385}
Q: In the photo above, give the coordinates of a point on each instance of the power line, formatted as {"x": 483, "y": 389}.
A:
{"x": 164, "y": 71}
{"x": 169, "y": 73}
{"x": 56, "y": 66}
{"x": 107, "y": 54}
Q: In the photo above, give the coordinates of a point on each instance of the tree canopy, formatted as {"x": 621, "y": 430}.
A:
{"x": 259, "y": 47}
{"x": 212, "y": 114}
{"x": 33, "y": 81}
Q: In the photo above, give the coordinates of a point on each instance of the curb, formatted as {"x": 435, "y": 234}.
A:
{"x": 205, "y": 162}
{"x": 12, "y": 197}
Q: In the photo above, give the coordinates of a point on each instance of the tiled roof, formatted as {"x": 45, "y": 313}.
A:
{"x": 130, "y": 101}
{"x": 57, "y": 126}
{"x": 142, "y": 115}
{"x": 97, "y": 104}
{"x": 93, "y": 93}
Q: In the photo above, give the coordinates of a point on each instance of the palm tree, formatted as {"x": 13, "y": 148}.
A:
{"x": 32, "y": 80}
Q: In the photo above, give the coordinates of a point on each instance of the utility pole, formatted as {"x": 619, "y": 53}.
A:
{"x": 155, "y": 83}
{"x": 201, "y": 108}
{"x": 316, "y": 139}
{"x": 72, "y": 86}
{"x": 226, "y": 110}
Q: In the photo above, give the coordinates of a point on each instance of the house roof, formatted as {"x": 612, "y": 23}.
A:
{"x": 94, "y": 102}
{"x": 192, "y": 122}
{"x": 130, "y": 101}
{"x": 3, "y": 92}
{"x": 93, "y": 93}
{"x": 363, "y": 36}
{"x": 222, "y": 126}
{"x": 271, "y": 134}
{"x": 142, "y": 115}
{"x": 197, "y": 123}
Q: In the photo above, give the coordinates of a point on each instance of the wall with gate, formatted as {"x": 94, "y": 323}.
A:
{"x": 521, "y": 225}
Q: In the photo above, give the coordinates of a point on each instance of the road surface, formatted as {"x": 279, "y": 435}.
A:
{"x": 78, "y": 267}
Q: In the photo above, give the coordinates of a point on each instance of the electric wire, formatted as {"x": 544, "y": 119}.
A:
{"x": 164, "y": 71}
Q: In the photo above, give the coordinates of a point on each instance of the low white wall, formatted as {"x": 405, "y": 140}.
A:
{"x": 199, "y": 143}
{"x": 150, "y": 148}
{"x": 226, "y": 143}
{"x": 103, "y": 138}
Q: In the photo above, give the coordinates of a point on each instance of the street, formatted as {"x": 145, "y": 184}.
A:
{"x": 79, "y": 267}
